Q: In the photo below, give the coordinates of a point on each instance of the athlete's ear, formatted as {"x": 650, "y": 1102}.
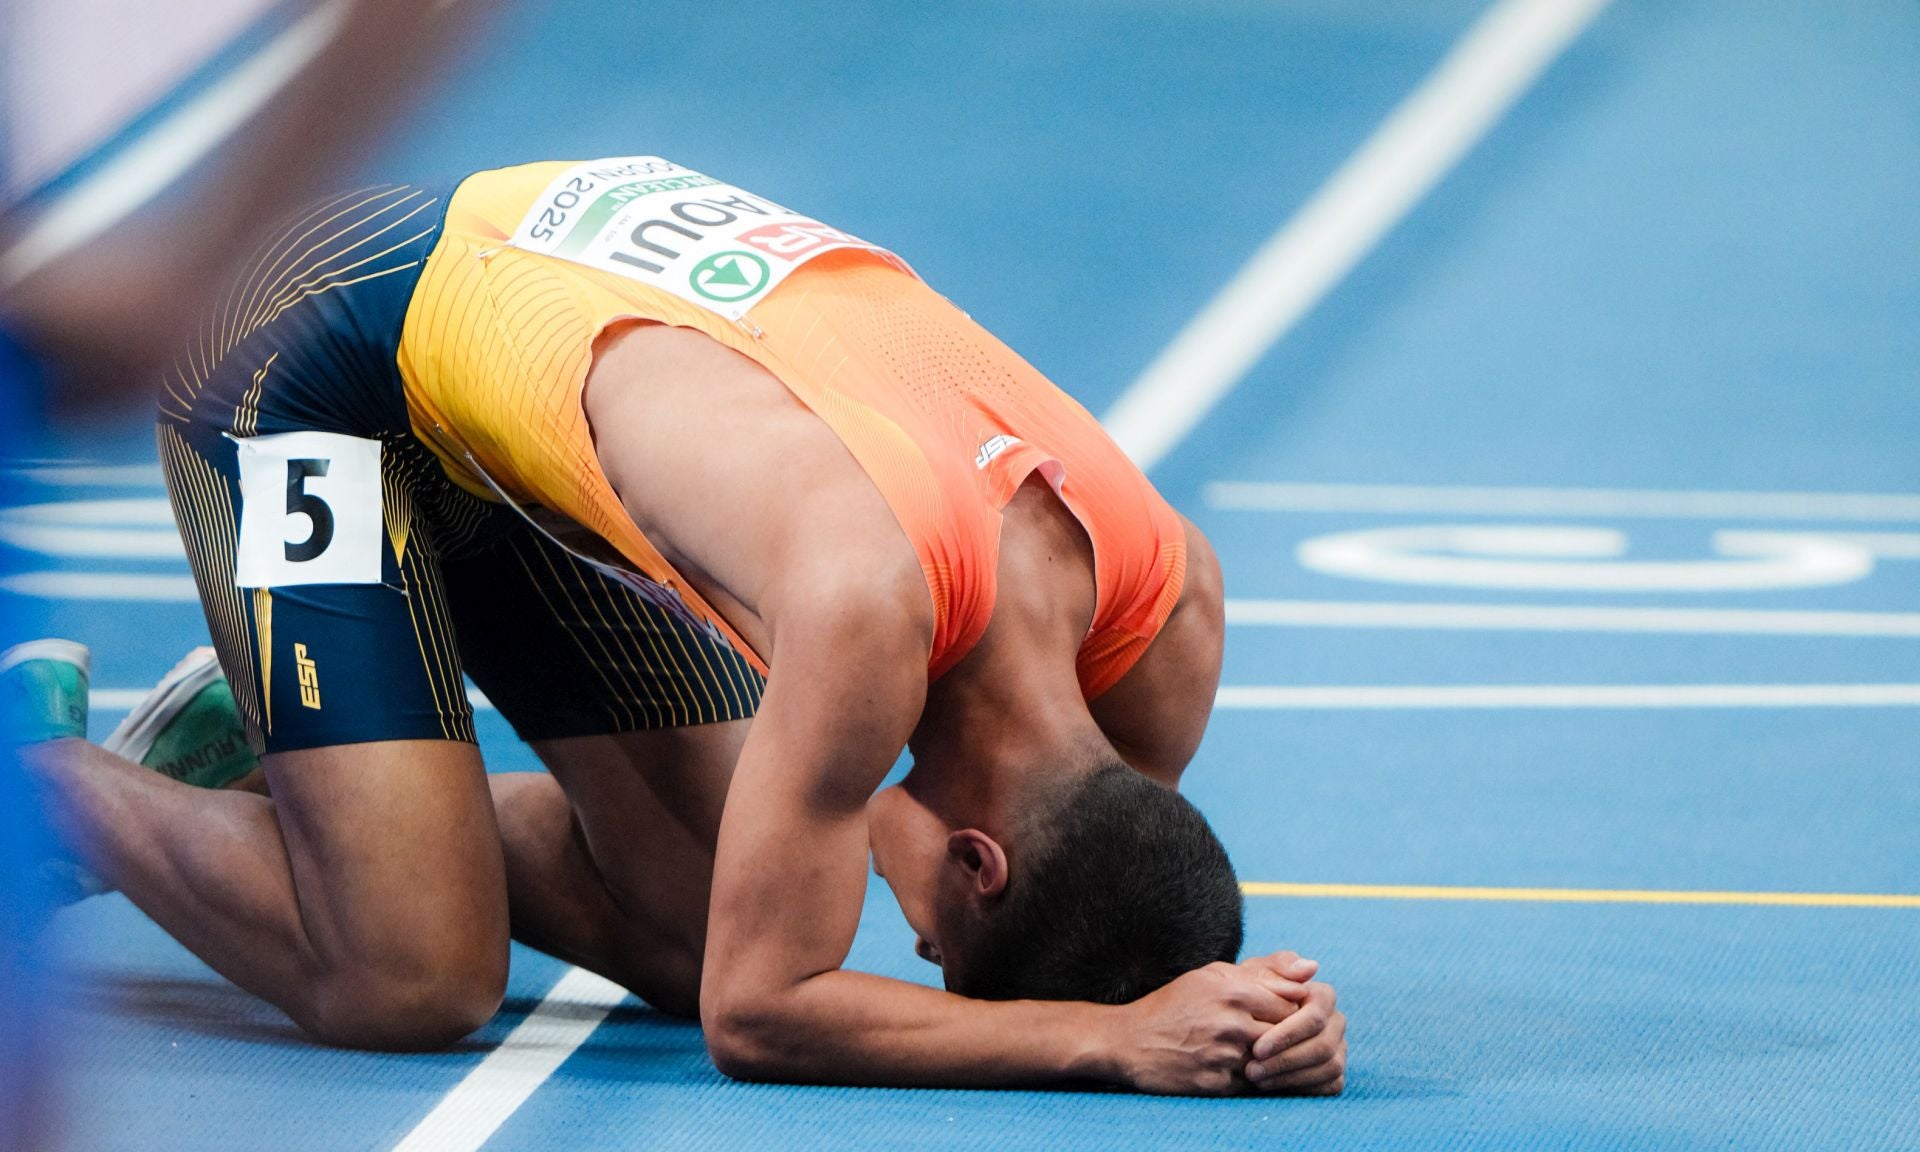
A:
{"x": 982, "y": 858}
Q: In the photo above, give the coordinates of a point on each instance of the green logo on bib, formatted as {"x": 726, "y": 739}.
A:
{"x": 730, "y": 276}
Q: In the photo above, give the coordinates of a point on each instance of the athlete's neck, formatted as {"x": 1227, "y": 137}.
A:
{"x": 1010, "y": 718}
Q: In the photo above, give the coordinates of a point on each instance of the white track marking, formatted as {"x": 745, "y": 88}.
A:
{"x": 115, "y": 699}
{"x": 97, "y": 543}
{"x": 1891, "y": 545}
{"x": 1578, "y": 558}
{"x": 102, "y": 586}
{"x": 1567, "y": 618}
{"x": 1496, "y": 696}
{"x": 470, "y": 1114}
{"x": 1610, "y": 503}
{"x": 90, "y": 475}
{"x": 127, "y": 529}
{"x": 152, "y": 512}
{"x": 164, "y": 154}
{"x": 1484, "y": 74}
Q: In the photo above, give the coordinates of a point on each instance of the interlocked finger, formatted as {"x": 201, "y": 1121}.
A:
{"x": 1309, "y": 1022}
{"x": 1302, "y": 1081}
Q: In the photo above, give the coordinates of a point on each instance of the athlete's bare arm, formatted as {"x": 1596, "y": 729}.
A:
{"x": 800, "y": 552}
{"x": 1158, "y": 711}
{"x": 610, "y": 853}
{"x": 1155, "y": 718}
{"x": 791, "y": 873}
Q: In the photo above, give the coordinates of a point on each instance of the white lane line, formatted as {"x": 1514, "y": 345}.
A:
{"x": 150, "y": 165}
{"x": 1891, "y": 545}
{"x": 119, "y": 543}
{"x": 138, "y": 529}
{"x": 1567, "y": 618}
{"x": 1490, "y": 696}
{"x": 1480, "y": 78}
{"x": 115, "y": 699}
{"x": 89, "y": 475}
{"x": 1612, "y": 503}
{"x": 470, "y": 1114}
{"x": 153, "y": 512}
{"x": 93, "y": 543}
{"x": 102, "y": 586}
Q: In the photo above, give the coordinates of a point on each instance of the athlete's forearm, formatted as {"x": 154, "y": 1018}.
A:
{"x": 790, "y": 871}
{"x": 844, "y": 1027}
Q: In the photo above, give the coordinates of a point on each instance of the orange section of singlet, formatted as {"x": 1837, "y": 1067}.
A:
{"x": 946, "y": 420}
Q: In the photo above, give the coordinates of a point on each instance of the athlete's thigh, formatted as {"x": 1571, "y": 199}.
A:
{"x": 563, "y": 650}
{"x": 648, "y": 805}
{"x": 395, "y": 855}
{"x": 638, "y": 711}
{"x": 352, "y": 692}
{"x": 301, "y": 493}
{"x": 301, "y": 498}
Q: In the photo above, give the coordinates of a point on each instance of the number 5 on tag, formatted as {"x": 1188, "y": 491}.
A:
{"x": 309, "y": 510}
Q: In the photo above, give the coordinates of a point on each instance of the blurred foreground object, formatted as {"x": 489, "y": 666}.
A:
{"x": 23, "y": 991}
{"x": 107, "y": 252}
{"x": 143, "y": 144}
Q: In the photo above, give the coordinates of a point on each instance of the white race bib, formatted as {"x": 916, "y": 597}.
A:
{"x": 310, "y": 510}
{"x": 670, "y": 227}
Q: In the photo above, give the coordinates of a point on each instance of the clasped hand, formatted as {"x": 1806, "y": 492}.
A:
{"x": 1262, "y": 1025}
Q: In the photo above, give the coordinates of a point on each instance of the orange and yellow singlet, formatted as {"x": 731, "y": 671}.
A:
{"x": 536, "y": 261}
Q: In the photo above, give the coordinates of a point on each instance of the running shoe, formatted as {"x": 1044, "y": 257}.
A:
{"x": 43, "y": 691}
{"x": 43, "y": 696}
{"x": 188, "y": 728}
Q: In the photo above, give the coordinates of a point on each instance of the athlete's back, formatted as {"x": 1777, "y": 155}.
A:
{"x": 541, "y": 266}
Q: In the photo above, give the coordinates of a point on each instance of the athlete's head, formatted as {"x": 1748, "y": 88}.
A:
{"x": 1106, "y": 886}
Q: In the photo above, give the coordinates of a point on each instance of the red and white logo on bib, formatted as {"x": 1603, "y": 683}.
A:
{"x": 792, "y": 241}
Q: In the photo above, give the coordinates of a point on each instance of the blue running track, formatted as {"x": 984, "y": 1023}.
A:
{"x": 1687, "y": 261}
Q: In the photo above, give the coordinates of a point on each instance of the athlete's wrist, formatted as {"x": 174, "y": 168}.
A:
{"x": 1096, "y": 1044}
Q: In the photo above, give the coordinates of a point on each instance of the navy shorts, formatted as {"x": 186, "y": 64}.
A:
{"x": 347, "y": 581}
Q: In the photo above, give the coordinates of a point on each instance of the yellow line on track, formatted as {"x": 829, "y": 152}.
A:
{"x": 1581, "y": 895}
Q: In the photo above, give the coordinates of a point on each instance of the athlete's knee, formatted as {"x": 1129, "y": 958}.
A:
{"x": 411, "y": 1003}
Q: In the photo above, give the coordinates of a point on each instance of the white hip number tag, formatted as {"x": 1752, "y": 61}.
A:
{"x": 309, "y": 510}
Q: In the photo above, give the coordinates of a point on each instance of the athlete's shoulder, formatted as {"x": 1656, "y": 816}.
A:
{"x": 492, "y": 200}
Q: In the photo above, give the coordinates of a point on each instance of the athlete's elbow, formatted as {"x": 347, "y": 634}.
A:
{"x": 756, "y": 1031}
{"x": 740, "y": 1041}
{"x": 734, "y": 1057}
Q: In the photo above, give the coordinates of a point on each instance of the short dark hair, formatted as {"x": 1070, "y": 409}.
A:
{"x": 1116, "y": 886}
